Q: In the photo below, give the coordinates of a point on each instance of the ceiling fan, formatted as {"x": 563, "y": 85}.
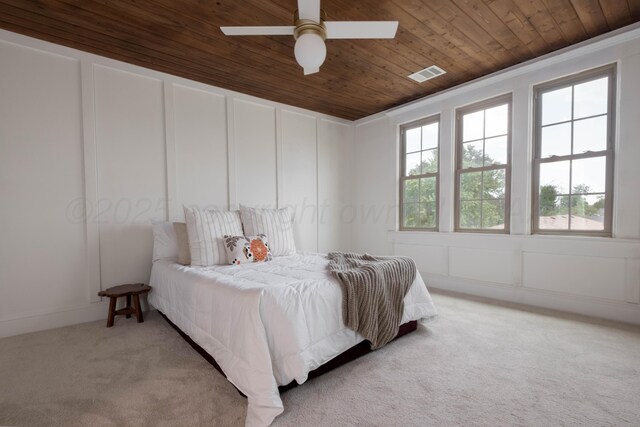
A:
{"x": 310, "y": 30}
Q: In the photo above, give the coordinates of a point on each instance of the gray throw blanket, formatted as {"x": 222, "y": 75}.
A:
{"x": 373, "y": 290}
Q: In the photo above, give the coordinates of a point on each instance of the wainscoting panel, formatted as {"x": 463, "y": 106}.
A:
{"x": 597, "y": 277}
{"x": 481, "y": 264}
{"x": 255, "y": 153}
{"x": 334, "y": 183}
{"x": 131, "y": 172}
{"x": 200, "y": 134}
{"x": 42, "y": 255}
{"x": 632, "y": 288}
{"x": 429, "y": 259}
{"x": 299, "y": 176}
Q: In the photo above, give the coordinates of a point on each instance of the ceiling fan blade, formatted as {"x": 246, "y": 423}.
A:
{"x": 258, "y": 31}
{"x": 308, "y": 71}
{"x": 361, "y": 29}
{"x": 309, "y": 9}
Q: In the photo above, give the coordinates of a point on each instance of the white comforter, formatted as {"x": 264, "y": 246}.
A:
{"x": 266, "y": 324}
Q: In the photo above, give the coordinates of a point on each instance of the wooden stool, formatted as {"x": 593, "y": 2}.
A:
{"x": 125, "y": 291}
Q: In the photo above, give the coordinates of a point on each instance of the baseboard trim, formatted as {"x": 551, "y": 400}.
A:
{"x": 619, "y": 311}
{"x": 54, "y": 319}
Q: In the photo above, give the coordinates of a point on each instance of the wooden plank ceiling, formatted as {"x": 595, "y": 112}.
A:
{"x": 468, "y": 38}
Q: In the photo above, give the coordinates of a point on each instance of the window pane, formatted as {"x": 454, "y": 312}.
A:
{"x": 430, "y": 161}
{"x": 496, "y": 121}
{"x": 472, "y": 156}
{"x": 471, "y": 186}
{"x": 473, "y": 126}
{"x": 589, "y": 175}
{"x": 494, "y": 184}
{"x": 556, "y": 175}
{"x": 410, "y": 190}
{"x": 590, "y": 135}
{"x": 427, "y": 189}
{"x": 470, "y": 214}
{"x": 493, "y": 214}
{"x": 412, "y": 138}
{"x": 550, "y": 203}
{"x": 427, "y": 215}
{"x": 495, "y": 151}
{"x": 556, "y": 140}
{"x": 553, "y": 212}
{"x": 556, "y": 106}
{"x": 590, "y": 98}
{"x": 431, "y": 212}
{"x": 587, "y": 212}
{"x": 413, "y": 164}
{"x": 430, "y": 136}
{"x": 411, "y": 214}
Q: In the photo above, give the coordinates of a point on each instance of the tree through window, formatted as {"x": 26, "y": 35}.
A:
{"x": 483, "y": 166}
{"x": 419, "y": 174}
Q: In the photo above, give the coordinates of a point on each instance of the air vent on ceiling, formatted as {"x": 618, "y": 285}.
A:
{"x": 427, "y": 74}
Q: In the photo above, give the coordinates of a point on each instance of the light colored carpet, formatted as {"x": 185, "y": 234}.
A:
{"x": 478, "y": 363}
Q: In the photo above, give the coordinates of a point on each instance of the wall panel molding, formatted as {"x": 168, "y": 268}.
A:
{"x": 90, "y": 181}
{"x": 280, "y": 185}
{"x": 170, "y": 151}
{"x": 231, "y": 154}
{"x": 591, "y": 276}
{"x": 142, "y": 135}
{"x": 632, "y": 282}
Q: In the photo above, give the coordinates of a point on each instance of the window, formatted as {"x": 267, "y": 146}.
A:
{"x": 573, "y": 154}
{"x": 483, "y": 157}
{"x": 419, "y": 167}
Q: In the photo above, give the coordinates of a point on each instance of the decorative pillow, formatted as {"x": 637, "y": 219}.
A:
{"x": 184, "y": 254}
{"x": 275, "y": 223}
{"x": 242, "y": 249}
{"x": 206, "y": 230}
{"x": 165, "y": 243}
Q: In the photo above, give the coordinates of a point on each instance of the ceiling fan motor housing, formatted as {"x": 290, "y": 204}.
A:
{"x": 305, "y": 26}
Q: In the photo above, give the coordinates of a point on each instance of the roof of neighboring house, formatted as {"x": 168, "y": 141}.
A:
{"x": 561, "y": 222}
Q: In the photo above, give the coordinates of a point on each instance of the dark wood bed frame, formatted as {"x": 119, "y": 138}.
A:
{"x": 353, "y": 353}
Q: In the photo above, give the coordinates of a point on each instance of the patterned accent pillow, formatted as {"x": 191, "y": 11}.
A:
{"x": 242, "y": 249}
{"x": 275, "y": 223}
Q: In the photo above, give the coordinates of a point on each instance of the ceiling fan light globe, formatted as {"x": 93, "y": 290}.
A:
{"x": 310, "y": 51}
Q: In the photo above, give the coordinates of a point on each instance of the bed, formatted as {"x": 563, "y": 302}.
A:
{"x": 265, "y": 324}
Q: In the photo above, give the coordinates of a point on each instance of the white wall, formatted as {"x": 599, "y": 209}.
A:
{"x": 92, "y": 150}
{"x": 595, "y": 276}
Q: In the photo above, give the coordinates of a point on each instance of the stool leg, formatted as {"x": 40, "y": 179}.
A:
{"x": 128, "y": 305}
{"x": 112, "y": 311}
{"x": 136, "y": 304}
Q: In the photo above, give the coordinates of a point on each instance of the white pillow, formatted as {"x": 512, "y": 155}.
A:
{"x": 165, "y": 241}
{"x": 206, "y": 230}
{"x": 275, "y": 223}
